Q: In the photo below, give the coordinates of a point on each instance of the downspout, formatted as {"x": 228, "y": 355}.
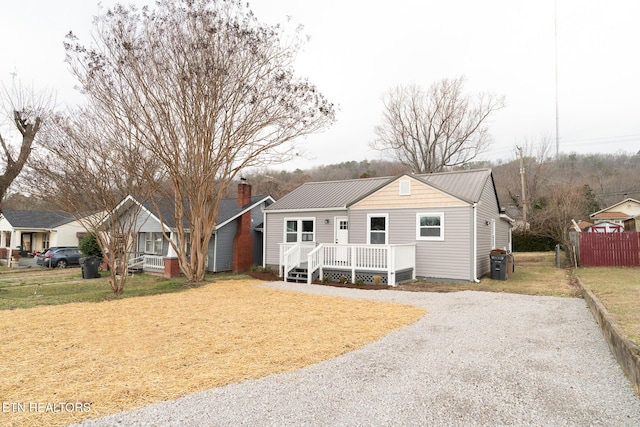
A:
{"x": 474, "y": 237}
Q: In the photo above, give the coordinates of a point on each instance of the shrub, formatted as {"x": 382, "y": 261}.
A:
{"x": 89, "y": 246}
{"x": 529, "y": 242}
{"x": 359, "y": 282}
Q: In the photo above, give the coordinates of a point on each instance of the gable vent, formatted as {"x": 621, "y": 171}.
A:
{"x": 405, "y": 187}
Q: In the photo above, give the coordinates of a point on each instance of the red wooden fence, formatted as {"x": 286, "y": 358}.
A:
{"x": 610, "y": 249}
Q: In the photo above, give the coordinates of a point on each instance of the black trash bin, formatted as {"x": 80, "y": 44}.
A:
{"x": 90, "y": 266}
{"x": 499, "y": 266}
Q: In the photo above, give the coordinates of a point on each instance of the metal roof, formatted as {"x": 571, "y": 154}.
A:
{"x": 327, "y": 194}
{"x": 465, "y": 185}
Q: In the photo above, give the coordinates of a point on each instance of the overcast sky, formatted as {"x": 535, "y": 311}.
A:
{"x": 359, "y": 49}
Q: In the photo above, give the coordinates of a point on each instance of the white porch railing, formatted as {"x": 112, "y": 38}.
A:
{"x": 154, "y": 263}
{"x": 292, "y": 255}
{"x": 383, "y": 258}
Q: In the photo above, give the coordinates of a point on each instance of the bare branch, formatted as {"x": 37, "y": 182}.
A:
{"x": 430, "y": 131}
{"x": 208, "y": 91}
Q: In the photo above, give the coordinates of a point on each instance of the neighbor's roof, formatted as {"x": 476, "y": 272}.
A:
{"x": 605, "y": 210}
{"x": 36, "y": 219}
{"x": 611, "y": 215}
{"x": 228, "y": 209}
{"x": 465, "y": 185}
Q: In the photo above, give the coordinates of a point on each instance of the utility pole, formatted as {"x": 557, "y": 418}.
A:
{"x": 555, "y": 26}
{"x": 524, "y": 194}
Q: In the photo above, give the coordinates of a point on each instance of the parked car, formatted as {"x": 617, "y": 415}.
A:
{"x": 60, "y": 257}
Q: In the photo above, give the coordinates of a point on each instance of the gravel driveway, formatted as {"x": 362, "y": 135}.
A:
{"x": 475, "y": 359}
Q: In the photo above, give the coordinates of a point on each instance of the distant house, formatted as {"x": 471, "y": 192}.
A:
{"x": 235, "y": 245}
{"x": 515, "y": 213}
{"x": 28, "y": 231}
{"x": 624, "y": 214}
{"x": 437, "y": 226}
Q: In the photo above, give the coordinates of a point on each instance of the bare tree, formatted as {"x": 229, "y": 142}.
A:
{"x": 562, "y": 203}
{"x": 209, "y": 90}
{"x": 442, "y": 127}
{"x": 27, "y": 111}
{"x": 90, "y": 170}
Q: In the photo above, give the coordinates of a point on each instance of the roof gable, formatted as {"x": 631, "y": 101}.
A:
{"x": 629, "y": 207}
{"x": 227, "y": 210}
{"x": 415, "y": 194}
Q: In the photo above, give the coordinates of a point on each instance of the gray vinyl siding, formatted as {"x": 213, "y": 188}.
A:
{"x": 146, "y": 223}
{"x": 224, "y": 254}
{"x": 447, "y": 259}
{"x": 210, "y": 254}
{"x": 487, "y": 211}
{"x": 274, "y": 229}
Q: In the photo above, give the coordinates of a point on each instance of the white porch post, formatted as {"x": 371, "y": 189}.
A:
{"x": 391, "y": 268}
{"x": 353, "y": 264}
{"x": 3, "y": 239}
{"x": 15, "y": 239}
{"x": 171, "y": 253}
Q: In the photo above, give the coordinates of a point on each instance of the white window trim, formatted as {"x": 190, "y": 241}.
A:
{"x": 386, "y": 223}
{"x": 299, "y": 230}
{"x": 436, "y": 239}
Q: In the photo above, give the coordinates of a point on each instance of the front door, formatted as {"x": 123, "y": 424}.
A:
{"x": 342, "y": 238}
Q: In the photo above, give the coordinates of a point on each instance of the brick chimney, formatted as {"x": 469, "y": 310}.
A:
{"x": 243, "y": 241}
{"x": 244, "y": 192}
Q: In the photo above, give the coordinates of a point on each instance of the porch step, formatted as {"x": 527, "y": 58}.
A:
{"x": 298, "y": 275}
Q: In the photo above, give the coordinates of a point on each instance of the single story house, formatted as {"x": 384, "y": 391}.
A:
{"x": 235, "y": 245}
{"x": 436, "y": 226}
{"x": 624, "y": 213}
{"x": 27, "y": 231}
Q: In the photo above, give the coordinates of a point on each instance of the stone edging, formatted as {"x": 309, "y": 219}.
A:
{"x": 620, "y": 346}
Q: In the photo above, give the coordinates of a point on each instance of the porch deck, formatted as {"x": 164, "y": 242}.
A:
{"x": 310, "y": 261}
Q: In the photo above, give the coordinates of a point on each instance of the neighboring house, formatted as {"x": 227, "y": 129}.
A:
{"x": 29, "y": 231}
{"x": 624, "y": 213}
{"x": 436, "y": 226}
{"x": 235, "y": 245}
{"x": 518, "y": 221}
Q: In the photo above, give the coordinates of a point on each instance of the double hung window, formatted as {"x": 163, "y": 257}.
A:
{"x": 430, "y": 226}
{"x": 377, "y": 229}
{"x": 299, "y": 230}
{"x": 153, "y": 243}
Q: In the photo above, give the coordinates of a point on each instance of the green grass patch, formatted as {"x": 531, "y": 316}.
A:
{"x": 618, "y": 288}
{"x": 31, "y": 288}
{"x": 535, "y": 274}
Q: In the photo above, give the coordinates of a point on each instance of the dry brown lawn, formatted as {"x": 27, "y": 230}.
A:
{"x": 118, "y": 355}
{"x": 618, "y": 288}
